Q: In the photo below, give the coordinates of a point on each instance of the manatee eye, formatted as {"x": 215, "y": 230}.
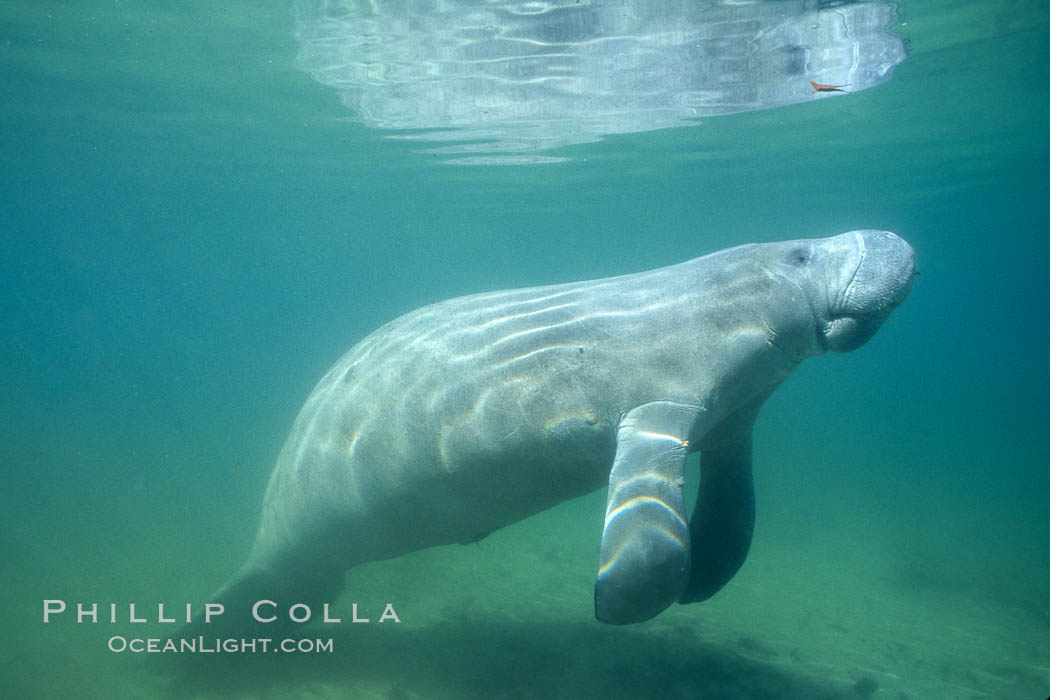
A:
{"x": 799, "y": 256}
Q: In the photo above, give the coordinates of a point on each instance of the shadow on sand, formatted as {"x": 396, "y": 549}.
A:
{"x": 468, "y": 658}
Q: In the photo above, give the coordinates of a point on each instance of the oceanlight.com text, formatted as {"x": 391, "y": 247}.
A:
{"x": 216, "y": 645}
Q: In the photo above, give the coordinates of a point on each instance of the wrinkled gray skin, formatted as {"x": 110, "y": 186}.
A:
{"x": 463, "y": 417}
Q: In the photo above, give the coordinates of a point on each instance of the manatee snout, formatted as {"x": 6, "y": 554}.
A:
{"x": 871, "y": 274}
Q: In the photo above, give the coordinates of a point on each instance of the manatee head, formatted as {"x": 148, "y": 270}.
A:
{"x": 856, "y": 279}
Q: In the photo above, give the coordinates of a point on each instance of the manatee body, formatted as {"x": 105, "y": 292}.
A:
{"x": 465, "y": 416}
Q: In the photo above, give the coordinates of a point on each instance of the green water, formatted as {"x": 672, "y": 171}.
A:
{"x": 193, "y": 231}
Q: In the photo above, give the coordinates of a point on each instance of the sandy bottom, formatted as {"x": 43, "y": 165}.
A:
{"x": 808, "y": 617}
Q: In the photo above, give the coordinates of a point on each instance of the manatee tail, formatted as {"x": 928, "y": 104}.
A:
{"x": 234, "y": 610}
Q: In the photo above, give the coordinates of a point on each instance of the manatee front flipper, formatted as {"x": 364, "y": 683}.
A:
{"x": 724, "y": 517}
{"x": 645, "y": 544}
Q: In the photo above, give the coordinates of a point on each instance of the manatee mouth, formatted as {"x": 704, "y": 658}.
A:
{"x": 879, "y": 281}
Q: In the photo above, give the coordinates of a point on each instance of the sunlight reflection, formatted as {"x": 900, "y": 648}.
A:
{"x": 498, "y": 82}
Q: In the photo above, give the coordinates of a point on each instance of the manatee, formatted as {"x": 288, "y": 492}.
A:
{"x": 462, "y": 417}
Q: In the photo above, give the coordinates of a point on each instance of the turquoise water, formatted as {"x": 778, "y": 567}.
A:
{"x": 194, "y": 231}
